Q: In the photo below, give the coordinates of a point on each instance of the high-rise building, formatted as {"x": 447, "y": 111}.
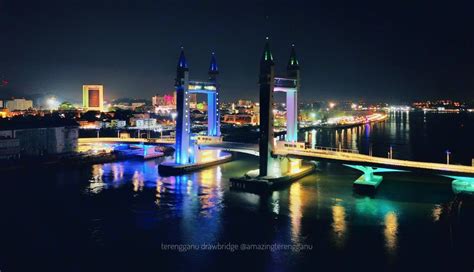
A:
{"x": 93, "y": 97}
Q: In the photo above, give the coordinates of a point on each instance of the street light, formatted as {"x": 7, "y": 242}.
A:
{"x": 447, "y": 156}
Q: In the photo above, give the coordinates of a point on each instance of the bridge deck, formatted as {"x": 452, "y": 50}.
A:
{"x": 321, "y": 153}
{"x": 355, "y": 158}
{"x": 126, "y": 140}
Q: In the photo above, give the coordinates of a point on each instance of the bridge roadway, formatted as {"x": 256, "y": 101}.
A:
{"x": 352, "y": 157}
{"x": 345, "y": 156}
{"x": 126, "y": 140}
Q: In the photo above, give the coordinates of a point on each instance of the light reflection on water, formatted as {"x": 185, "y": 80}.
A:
{"x": 321, "y": 209}
{"x": 201, "y": 195}
{"x": 391, "y": 231}
{"x": 339, "y": 224}
{"x": 296, "y": 211}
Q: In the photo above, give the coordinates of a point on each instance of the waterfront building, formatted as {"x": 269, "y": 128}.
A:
{"x": 19, "y": 104}
{"x": 40, "y": 138}
{"x": 93, "y": 97}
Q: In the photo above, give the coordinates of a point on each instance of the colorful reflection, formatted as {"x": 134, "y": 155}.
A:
{"x": 296, "y": 211}
{"x": 391, "y": 231}
{"x": 339, "y": 225}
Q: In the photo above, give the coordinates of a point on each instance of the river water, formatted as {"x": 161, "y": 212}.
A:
{"x": 123, "y": 216}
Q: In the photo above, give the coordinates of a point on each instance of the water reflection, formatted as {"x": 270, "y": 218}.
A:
{"x": 391, "y": 231}
{"x": 339, "y": 225}
{"x": 296, "y": 211}
{"x": 436, "y": 212}
{"x": 321, "y": 210}
{"x": 204, "y": 187}
{"x": 137, "y": 181}
{"x": 95, "y": 182}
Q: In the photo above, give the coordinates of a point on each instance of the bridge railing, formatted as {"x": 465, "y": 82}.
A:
{"x": 324, "y": 148}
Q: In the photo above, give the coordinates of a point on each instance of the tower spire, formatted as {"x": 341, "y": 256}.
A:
{"x": 213, "y": 69}
{"x": 267, "y": 57}
{"x": 182, "y": 63}
{"x": 293, "y": 63}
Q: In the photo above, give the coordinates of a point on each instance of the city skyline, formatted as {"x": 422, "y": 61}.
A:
{"x": 398, "y": 52}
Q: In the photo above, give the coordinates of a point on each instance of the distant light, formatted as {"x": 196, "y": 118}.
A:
{"x": 52, "y": 103}
{"x": 332, "y": 105}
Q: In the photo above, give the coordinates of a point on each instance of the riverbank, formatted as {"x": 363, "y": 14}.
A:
{"x": 343, "y": 125}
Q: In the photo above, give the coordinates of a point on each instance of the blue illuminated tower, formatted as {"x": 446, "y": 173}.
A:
{"x": 214, "y": 126}
{"x": 183, "y": 126}
{"x": 186, "y": 148}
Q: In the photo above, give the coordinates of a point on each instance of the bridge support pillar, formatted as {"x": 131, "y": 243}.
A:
{"x": 368, "y": 181}
{"x": 462, "y": 185}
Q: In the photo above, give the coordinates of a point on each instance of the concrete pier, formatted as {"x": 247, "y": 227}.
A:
{"x": 173, "y": 168}
{"x": 367, "y": 183}
{"x": 252, "y": 182}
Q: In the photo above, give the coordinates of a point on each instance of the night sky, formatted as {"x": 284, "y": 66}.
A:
{"x": 393, "y": 51}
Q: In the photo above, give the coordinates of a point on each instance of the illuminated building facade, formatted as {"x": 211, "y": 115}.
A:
{"x": 18, "y": 104}
{"x": 185, "y": 93}
{"x": 164, "y": 100}
{"x": 241, "y": 119}
{"x": 93, "y": 97}
{"x": 164, "y": 104}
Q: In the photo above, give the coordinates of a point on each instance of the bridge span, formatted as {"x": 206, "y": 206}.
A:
{"x": 345, "y": 156}
{"x": 462, "y": 175}
{"x": 353, "y": 157}
{"x": 126, "y": 140}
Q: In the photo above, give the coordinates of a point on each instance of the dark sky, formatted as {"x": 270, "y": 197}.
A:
{"x": 390, "y": 50}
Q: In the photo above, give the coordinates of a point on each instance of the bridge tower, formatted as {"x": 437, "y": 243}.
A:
{"x": 269, "y": 83}
{"x": 266, "y": 82}
{"x": 188, "y": 155}
{"x": 183, "y": 120}
{"x": 276, "y": 168}
{"x": 214, "y": 123}
{"x": 293, "y": 73}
